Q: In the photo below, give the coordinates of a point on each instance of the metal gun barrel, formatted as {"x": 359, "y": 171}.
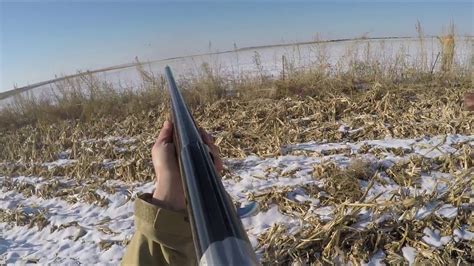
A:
{"x": 218, "y": 234}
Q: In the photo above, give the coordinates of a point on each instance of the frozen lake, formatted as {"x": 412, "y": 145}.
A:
{"x": 270, "y": 60}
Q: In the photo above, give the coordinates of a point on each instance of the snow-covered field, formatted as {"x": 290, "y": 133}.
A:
{"x": 414, "y": 195}
{"x": 57, "y": 220}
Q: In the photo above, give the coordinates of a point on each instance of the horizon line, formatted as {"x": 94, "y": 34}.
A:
{"x": 14, "y": 91}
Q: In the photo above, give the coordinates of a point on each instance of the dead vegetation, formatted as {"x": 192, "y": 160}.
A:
{"x": 108, "y": 134}
{"x": 394, "y": 224}
{"x": 25, "y": 217}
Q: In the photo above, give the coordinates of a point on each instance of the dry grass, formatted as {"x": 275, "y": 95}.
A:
{"x": 337, "y": 240}
{"x": 24, "y": 217}
{"x": 447, "y": 49}
{"x": 262, "y": 126}
{"x": 362, "y": 68}
{"x": 243, "y": 127}
{"x": 259, "y": 115}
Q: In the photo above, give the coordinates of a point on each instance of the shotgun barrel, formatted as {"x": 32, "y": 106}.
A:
{"x": 218, "y": 234}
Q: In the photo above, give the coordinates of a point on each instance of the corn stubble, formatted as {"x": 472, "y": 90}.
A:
{"x": 299, "y": 107}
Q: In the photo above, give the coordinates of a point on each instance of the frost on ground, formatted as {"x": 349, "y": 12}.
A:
{"x": 396, "y": 200}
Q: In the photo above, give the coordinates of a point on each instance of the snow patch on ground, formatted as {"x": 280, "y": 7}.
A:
{"x": 447, "y": 211}
{"x": 463, "y": 234}
{"x": 80, "y": 243}
{"x": 376, "y": 259}
{"x": 409, "y": 253}
{"x": 434, "y": 238}
{"x": 59, "y": 163}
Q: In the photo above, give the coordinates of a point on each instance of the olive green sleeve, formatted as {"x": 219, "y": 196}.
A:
{"x": 162, "y": 237}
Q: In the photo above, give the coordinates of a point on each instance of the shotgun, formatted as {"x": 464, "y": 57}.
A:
{"x": 218, "y": 234}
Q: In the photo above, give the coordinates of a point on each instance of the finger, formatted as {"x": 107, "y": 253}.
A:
{"x": 216, "y": 156}
{"x": 209, "y": 141}
{"x": 210, "y": 138}
{"x": 166, "y": 133}
{"x": 203, "y": 134}
{"x": 206, "y": 137}
{"x": 218, "y": 163}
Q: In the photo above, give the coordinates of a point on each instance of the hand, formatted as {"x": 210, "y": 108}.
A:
{"x": 469, "y": 101}
{"x": 168, "y": 186}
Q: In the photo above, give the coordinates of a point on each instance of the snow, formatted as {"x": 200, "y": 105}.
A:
{"x": 426, "y": 210}
{"x": 421, "y": 146}
{"x": 264, "y": 220}
{"x": 434, "y": 181}
{"x": 253, "y": 175}
{"x": 447, "y": 211}
{"x": 59, "y": 163}
{"x": 433, "y": 238}
{"x": 300, "y": 196}
{"x": 462, "y": 234}
{"x": 325, "y": 213}
{"x": 376, "y": 259}
{"x": 409, "y": 253}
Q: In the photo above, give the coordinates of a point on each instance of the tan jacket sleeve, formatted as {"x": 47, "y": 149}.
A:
{"x": 162, "y": 237}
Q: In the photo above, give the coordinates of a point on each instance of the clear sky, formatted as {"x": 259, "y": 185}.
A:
{"x": 41, "y": 39}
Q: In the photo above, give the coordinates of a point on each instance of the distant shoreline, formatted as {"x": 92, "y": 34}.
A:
{"x": 9, "y": 93}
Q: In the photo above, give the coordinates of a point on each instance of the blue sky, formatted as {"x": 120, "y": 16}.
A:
{"x": 42, "y": 39}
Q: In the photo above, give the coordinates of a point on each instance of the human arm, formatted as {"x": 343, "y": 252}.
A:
{"x": 163, "y": 234}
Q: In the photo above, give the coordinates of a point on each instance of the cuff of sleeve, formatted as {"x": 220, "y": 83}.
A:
{"x": 158, "y": 222}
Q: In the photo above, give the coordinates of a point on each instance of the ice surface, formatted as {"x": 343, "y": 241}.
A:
{"x": 301, "y": 56}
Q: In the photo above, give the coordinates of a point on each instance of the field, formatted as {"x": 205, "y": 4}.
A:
{"x": 361, "y": 162}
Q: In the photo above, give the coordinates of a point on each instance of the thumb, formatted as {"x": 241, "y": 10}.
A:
{"x": 166, "y": 133}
